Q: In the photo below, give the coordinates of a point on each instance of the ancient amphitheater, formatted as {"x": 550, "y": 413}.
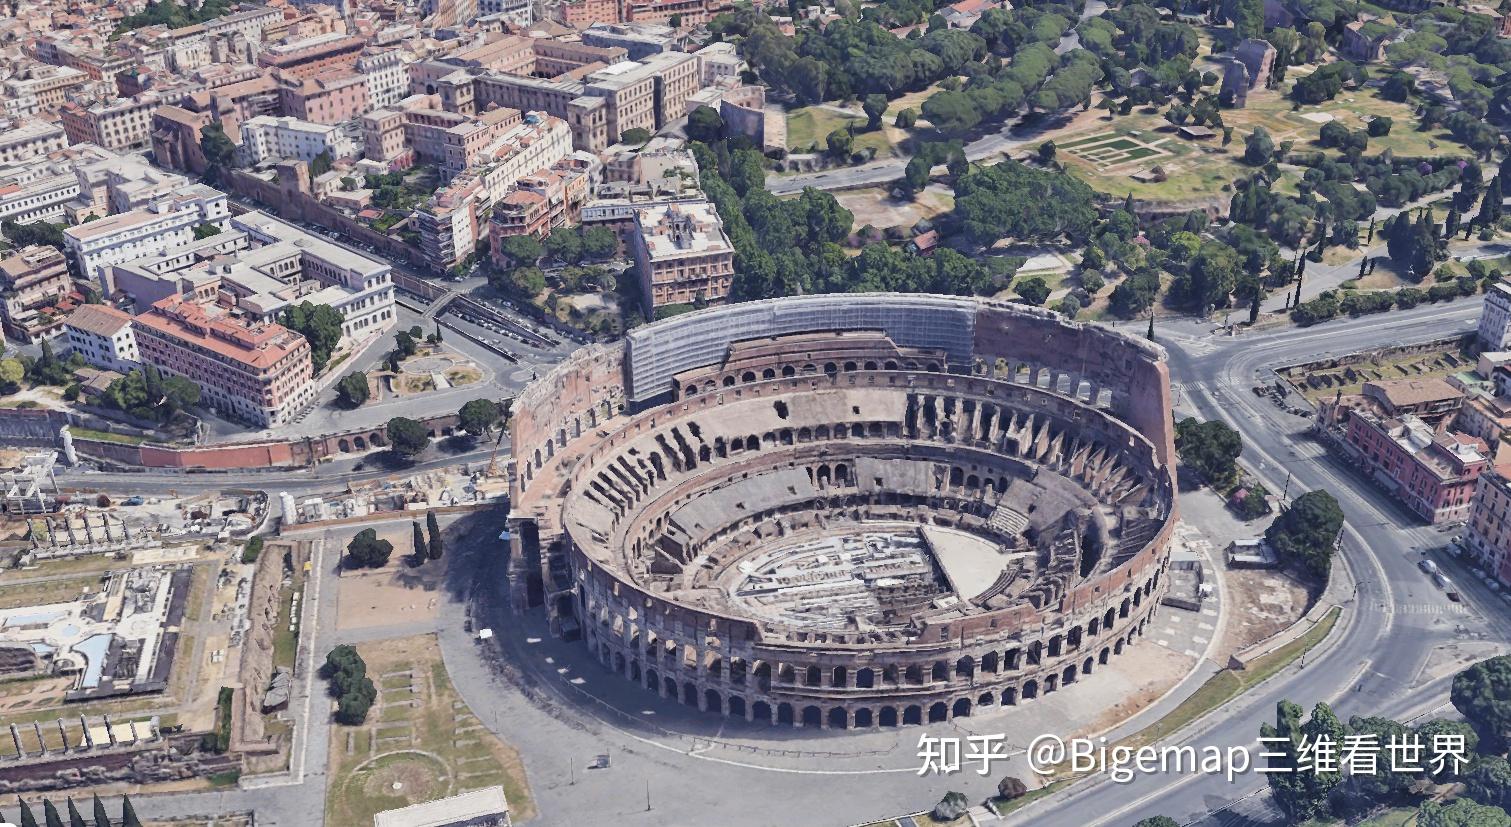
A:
{"x": 849, "y": 510}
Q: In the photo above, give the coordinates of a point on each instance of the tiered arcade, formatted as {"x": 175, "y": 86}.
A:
{"x": 849, "y": 511}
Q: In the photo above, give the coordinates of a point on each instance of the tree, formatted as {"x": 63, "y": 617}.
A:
{"x": 205, "y": 230}
{"x": 420, "y": 552}
{"x": 874, "y": 106}
{"x": 321, "y": 164}
{"x": 50, "y": 813}
{"x": 636, "y": 135}
{"x": 1157, "y": 821}
{"x": 44, "y": 233}
{"x": 1047, "y": 152}
{"x": 565, "y": 246}
{"x": 1443, "y": 731}
{"x": 219, "y": 152}
{"x": 320, "y": 325}
{"x": 905, "y": 119}
{"x": 1307, "y": 532}
{"x": 27, "y": 818}
{"x": 75, "y": 818}
{"x": 478, "y": 416}
{"x": 840, "y": 142}
{"x": 367, "y": 551}
{"x": 347, "y": 673}
{"x": 1297, "y": 786}
{"x": 128, "y": 813}
{"x": 1489, "y": 781}
{"x": 1258, "y": 147}
{"x": 433, "y": 526}
{"x": 101, "y": 816}
{"x": 1482, "y": 694}
{"x": 675, "y": 21}
{"x": 1032, "y": 290}
{"x": 522, "y": 249}
{"x": 704, "y": 124}
{"x": 529, "y": 281}
{"x": 1010, "y": 788}
{"x": 406, "y": 437}
{"x": 1461, "y": 813}
{"x": 598, "y": 243}
{"x": 1490, "y": 206}
{"x": 352, "y": 391}
{"x": 1379, "y": 126}
{"x": 1210, "y": 448}
{"x": 404, "y": 344}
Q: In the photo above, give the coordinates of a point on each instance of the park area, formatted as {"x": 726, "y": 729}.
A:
{"x": 420, "y": 741}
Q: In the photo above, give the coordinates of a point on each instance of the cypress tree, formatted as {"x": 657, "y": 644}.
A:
{"x": 420, "y": 552}
{"x": 75, "y": 818}
{"x": 1490, "y": 207}
{"x": 27, "y": 819}
{"x": 101, "y": 817}
{"x": 128, "y": 814}
{"x": 50, "y": 813}
{"x": 1150, "y": 334}
{"x": 435, "y": 535}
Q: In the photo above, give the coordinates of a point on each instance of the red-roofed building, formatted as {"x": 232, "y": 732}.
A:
{"x": 255, "y": 372}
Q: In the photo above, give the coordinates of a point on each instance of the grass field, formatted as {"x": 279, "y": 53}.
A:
{"x": 420, "y": 741}
{"x": 41, "y": 593}
{"x": 812, "y": 125}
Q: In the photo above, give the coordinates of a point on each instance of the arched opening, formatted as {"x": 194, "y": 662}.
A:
{"x": 689, "y": 694}
{"x": 1030, "y": 690}
{"x": 737, "y": 706}
{"x": 359, "y": 443}
{"x": 1010, "y": 697}
{"x": 343, "y": 446}
{"x": 1056, "y": 643}
{"x": 1117, "y": 647}
{"x": 840, "y": 677}
{"x": 986, "y": 700}
{"x": 784, "y": 713}
{"x": 965, "y": 667}
{"x": 941, "y": 671}
{"x": 865, "y": 678}
{"x": 887, "y": 716}
{"x": 761, "y": 711}
{"x": 763, "y": 676}
{"x": 989, "y": 662}
{"x": 838, "y": 718}
{"x": 1069, "y": 675}
{"x": 962, "y": 708}
{"x": 938, "y": 712}
{"x": 814, "y": 676}
{"x": 863, "y": 718}
{"x": 1102, "y": 658}
{"x": 747, "y": 376}
{"x": 914, "y": 674}
{"x": 711, "y": 701}
{"x": 1086, "y": 666}
{"x": 812, "y": 716}
{"x": 1051, "y": 683}
{"x": 912, "y": 715}
{"x": 669, "y": 688}
{"x": 635, "y": 671}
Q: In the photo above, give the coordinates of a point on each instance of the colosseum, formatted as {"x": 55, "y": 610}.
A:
{"x": 848, "y": 511}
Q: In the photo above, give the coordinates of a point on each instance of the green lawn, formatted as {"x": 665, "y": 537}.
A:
{"x": 105, "y": 436}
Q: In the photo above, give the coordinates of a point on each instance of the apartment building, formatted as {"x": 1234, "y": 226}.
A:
{"x": 682, "y": 254}
{"x": 1488, "y": 533}
{"x": 387, "y": 82}
{"x": 639, "y": 40}
{"x": 516, "y": 12}
{"x": 152, "y": 230}
{"x": 123, "y": 125}
{"x": 176, "y": 134}
{"x": 580, "y": 14}
{"x": 722, "y": 64}
{"x": 255, "y": 371}
{"x": 383, "y": 139}
{"x": 249, "y": 24}
{"x": 538, "y": 204}
{"x": 310, "y": 56}
{"x": 24, "y": 138}
{"x": 537, "y": 143}
{"x": 1434, "y": 472}
{"x": 264, "y": 139}
{"x": 691, "y": 13}
{"x": 31, "y": 278}
{"x": 447, "y": 224}
{"x": 1494, "y": 330}
{"x": 103, "y": 336}
{"x": 331, "y": 97}
{"x": 49, "y": 85}
{"x": 239, "y": 100}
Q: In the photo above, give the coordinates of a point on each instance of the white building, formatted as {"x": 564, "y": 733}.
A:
{"x": 536, "y": 144}
{"x": 150, "y": 231}
{"x": 359, "y": 288}
{"x": 721, "y": 62}
{"x": 267, "y": 138}
{"x": 1495, "y": 318}
{"x": 387, "y": 81}
{"x": 21, "y": 139}
{"x": 103, "y": 336}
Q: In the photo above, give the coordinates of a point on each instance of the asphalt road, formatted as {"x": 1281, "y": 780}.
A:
{"x": 1396, "y": 619}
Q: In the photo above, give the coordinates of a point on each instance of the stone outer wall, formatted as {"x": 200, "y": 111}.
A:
{"x": 1084, "y": 376}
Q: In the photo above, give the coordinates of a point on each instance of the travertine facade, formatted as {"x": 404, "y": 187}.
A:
{"x": 670, "y": 492}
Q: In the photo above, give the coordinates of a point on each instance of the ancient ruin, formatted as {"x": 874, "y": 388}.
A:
{"x": 848, "y": 511}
